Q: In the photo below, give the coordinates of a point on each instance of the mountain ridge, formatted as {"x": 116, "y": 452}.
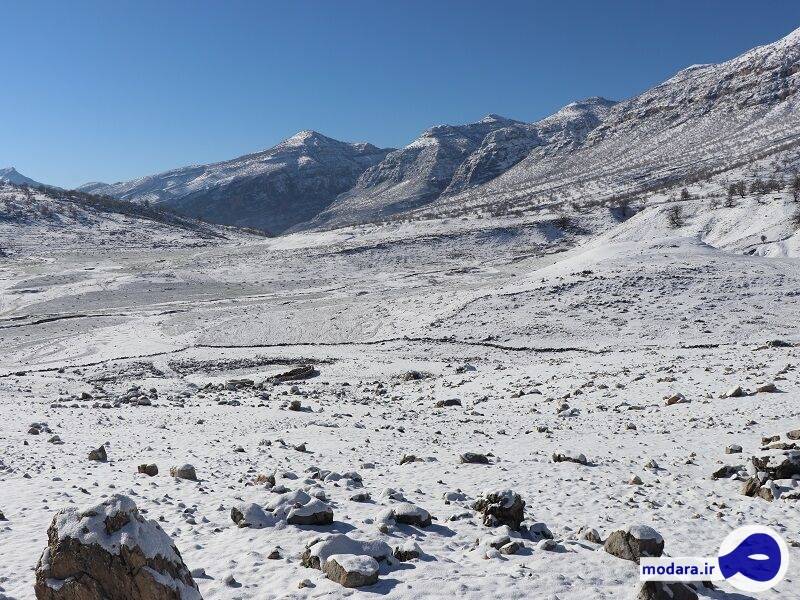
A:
{"x": 702, "y": 117}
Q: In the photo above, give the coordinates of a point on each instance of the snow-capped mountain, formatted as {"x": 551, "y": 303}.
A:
{"x": 270, "y": 190}
{"x": 705, "y": 118}
{"x": 11, "y": 175}
{"x": 451, "y": 158}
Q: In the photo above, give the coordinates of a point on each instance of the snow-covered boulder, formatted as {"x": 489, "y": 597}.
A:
{"x": 251, "y": 515}
{"x": 186, "y": 471}
{"x": 351, "y": 570}
{"x": 299, "y": 508}
{"x": 504, "y": 507}
{"x": 634, "y": 542}
{"x": 407, "y": 514}
{"x": 319, "y": 550}
{"x": 111, "y": 552}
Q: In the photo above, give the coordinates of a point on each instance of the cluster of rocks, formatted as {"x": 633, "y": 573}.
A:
{"x": 44, "y": 428}
{"x": 294, "y": 508}
{"x": 133, "y": 396}
{"x": 776, "y": 474}
{"x": 738, "y": 391}
{"x": 38, "y": 429}
{"x": 570, "y": 456}
{"x": 772, "y": 475}
{"x": 501, "y": 507}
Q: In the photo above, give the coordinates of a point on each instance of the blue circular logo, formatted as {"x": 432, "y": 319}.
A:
{"x": 753, "y": 558}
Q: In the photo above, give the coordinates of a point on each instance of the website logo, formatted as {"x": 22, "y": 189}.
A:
{"x": 753, "y": 558}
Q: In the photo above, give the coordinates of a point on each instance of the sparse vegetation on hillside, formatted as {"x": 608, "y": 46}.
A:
{"x": 675, "y": 216}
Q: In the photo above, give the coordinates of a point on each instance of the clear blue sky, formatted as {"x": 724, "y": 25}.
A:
{"x": 111, "y": 90}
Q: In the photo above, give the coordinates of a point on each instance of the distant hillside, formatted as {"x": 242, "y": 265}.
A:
{"x": 46, "y": 217}
{"x": 271, "y": 190}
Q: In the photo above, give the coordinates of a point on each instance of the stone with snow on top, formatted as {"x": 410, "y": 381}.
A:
{"x": 570, "y": 456}
{"x": 635, "y": 542}
{"x": 548, "y": 544}
{"x": 662, "y": 590}
{"x": 111, "y": 552}
{"x": 734, "y": 392}
{"x": 539, "y": 531}
{"x": 251, "y": 515}
{"x": 351, "y": 570}
{"x": 185, "y": 471}
{"x": 99, "y": 454}
{"x": 782, "y": 465}
{"x": 779, "y": 344}
{"x": 733, "y": 449}
{"x": 320, "y": 549}
{"x": 448, "y": 402}
{"x": 502, "y": 507}
{"x": 299, "y": 508}
{"x": 675, "y": 399}
{"x": 392, "y": 494}
{"x": 315, "y": 512}
{"x": 511, "y": 547}
{"x": 474, "y": 458}
{"x": 150, "y": 470}
{"x": 794, "y": 434}
{"x": 590, "y": 534}
{"x": 407, "y": 514}
{"x": 767, "y": 388}
{"x": 408, "y": 550}
{"x": 457, "y": 496}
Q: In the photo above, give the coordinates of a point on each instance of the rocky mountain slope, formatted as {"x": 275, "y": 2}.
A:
{"x": 706, "y": 118}
{"x": 270, "y": 190}
{"x": 11, "y": 175}
{"x": 450, "y": 158}
{"x": 32, "y": 220}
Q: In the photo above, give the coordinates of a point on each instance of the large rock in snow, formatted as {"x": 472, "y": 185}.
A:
{"x": 501, "y": 508}
{"x": 351, "y": 570}
{"x": 634, "y": 542}
{"x": 319, "y": 550}
{"x": 111, "y": 552}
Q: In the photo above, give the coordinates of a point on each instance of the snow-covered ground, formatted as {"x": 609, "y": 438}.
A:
{"x": 516, "y": 318}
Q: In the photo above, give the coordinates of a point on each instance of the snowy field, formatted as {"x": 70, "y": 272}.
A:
{"x": 547, "y": 350}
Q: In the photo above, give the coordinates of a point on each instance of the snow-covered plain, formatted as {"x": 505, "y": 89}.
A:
{"x": 514, "y": 318}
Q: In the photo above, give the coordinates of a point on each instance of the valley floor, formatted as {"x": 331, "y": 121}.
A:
{"x": 609, "y": 329}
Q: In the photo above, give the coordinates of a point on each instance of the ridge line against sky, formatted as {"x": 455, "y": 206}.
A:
{"x": 115, "y": 91}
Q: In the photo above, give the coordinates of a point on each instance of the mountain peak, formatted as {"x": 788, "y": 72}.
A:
{"x": 307, "y": 137}
{"x": 494, "y": 118}
{"x": 11, "y": 175}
